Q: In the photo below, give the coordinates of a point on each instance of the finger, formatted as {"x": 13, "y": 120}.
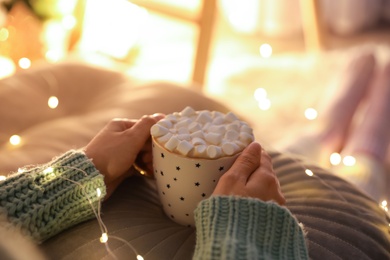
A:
{"x": 121, "y": 124}
{"x": 140, "y": 132}
{"x": 279, "y": 197}
{"x": 247, "y": 162}
{"x": 266, "y": 161}
{"x": 158, "y": 116}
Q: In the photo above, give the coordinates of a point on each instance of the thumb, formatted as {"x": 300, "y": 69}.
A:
{"x": 140, "y": 132}
{"x": 247, "y": 162}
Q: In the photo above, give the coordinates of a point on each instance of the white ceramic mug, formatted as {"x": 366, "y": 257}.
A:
{"x": 182, "y": 182}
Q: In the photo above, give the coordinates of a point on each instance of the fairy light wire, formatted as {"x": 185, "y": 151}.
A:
{"x": 96, "y": 211}
{"x": 309, "y": 172}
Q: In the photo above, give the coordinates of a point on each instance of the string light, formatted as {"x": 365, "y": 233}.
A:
{"x": 98, "y": 192}
{"x": 53, "y": 102}
{"x": 260, "y": 96}
{"x": 264, "y": 104}
{"x": 15, "y": 140}
{"x": 309, "y": 172}
{"x": 104, "y": 238}
{"x": 260, "y": 93}
{"x": 349, "y": 160}
{"x": 265, "y": 50}
{"x": 48, "y": 170}
{"x": 384, "y": 206}
{"x": 311, "y": 113}
{"x": 24, "y": 63}
{"x": 7, "y": 67}
{"x": 335, "y": 159}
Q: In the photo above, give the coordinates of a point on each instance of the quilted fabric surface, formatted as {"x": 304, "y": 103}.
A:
{"x": 340, "y": 221}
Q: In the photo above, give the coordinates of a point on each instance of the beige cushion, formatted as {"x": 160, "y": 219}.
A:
{"x": 88, "y": 98}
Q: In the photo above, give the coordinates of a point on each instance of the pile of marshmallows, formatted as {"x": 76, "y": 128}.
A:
{"x": 202, "y": 134}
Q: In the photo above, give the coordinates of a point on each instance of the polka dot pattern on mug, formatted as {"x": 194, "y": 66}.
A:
{"x": 183, "y": 182}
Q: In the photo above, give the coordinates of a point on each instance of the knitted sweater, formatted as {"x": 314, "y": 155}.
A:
{"x": 244, "y": 228}
{"x": 44, "y": 200}
{"x": 47, "y": 199}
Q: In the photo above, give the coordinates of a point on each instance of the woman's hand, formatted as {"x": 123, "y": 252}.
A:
{"x": 251, "y": 175}
{"x": 115, "y": 148}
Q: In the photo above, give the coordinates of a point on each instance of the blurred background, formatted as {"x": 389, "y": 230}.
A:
{"x": 271, "y": 60}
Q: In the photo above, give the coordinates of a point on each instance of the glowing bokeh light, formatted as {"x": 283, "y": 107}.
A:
{"x": 7, "y": 67}
{"x": 104, "y": 238}
{"x": 53, "y": 102}
{"x": 265, "y": 50}
{"x": 264, "y": 104}
{"x": 309, "y": 172}
{"x": 335, "y": 159}
{"x": 311, "y": 113}
{"x": 24, "y": 63}
{"x": 349, "y": 160}
{"x": 15, "y": 140}
{"x": 260, "y": 94}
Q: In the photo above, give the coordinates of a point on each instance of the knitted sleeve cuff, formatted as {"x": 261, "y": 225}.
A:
{"x": 243, "y": 228}
{"x": 46, "y": 199}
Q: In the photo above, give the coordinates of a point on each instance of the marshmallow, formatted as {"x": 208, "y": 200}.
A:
{"x": 172, "y": 143}
{"x": 185, "y": 122}
{"x": 183, "y": 130}
{"x": 245, "y": 137}
{"x": 232, "y": 135}
{"x": 230, "y": 117}
{"x": 158, "y": 130}
{"x": 199, "y": 151}
{"x": 186, "y": 137}
{"x": 198, "y": 141}
{"x": 202, "y": 134}
{"x": 218, "y": 120}
{"x": 184, "y": 147}
{"x": 171, "y": 118}
{"x": 194, "y": 126}
{"x": 165, "y": 123}
{"x": 163, "y": 139}
{"x": 214, "y": 151}
{"x": 206, "y": 126}
{"x": 188, "y": 111}
{"x": 213, "y": 138}
{"x": 234, "y": 127}
{"x": 230, "y": 148}
{"x": 204, "y": 117}
{"x": 245, "y": 128}
{"x": 199, "y": 134}
{"x": 219, "y": 129}
{"x": 216, "y": 114}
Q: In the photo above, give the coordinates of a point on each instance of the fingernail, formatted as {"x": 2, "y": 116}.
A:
{"x": 158, "y": 115}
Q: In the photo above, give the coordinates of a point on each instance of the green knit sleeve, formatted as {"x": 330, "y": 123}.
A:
{"x": 44, "y": 200}
{"x": 243, "y": 228}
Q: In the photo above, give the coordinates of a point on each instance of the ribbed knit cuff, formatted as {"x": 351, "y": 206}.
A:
{"x": 243, "y": 228}
{"x": 46, "y": 199}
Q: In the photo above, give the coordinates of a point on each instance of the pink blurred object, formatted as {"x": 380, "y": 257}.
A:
{"x": 347, "y": 17}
